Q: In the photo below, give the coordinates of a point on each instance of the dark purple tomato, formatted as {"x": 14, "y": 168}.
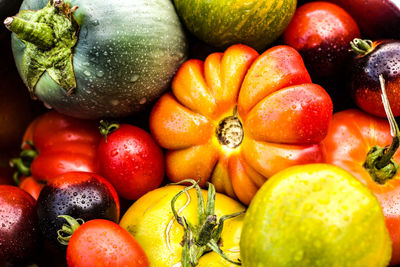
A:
{"x": 371, "y": 60}
{"x": 376, "y": 18}
{"x": 78, "y": 194}
{"x": 19, "y": 234}
{"x": 321, "y": 32}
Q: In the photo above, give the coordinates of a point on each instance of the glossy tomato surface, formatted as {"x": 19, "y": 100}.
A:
{"x": 321, "y": 32}
{"x": 131, "y": 160}
{"x": 104, "y": 243}
{"x": 239, "y": 117}
{"x": 151, "y": 221}
{"x": 77, "y": 194}
{"x": 63, "y": 143}
{"x": 381, "y": 58}
{"x": 351, "y": 136}
{"x": 19, "y": 233}
{"x": 314, "y": 215}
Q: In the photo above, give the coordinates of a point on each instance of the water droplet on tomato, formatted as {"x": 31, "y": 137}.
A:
{"x": 100, "y": 74}
{"x": 114, "y": 153}
{"x": 134, "y": 78}
{"x": 143, "y": 101}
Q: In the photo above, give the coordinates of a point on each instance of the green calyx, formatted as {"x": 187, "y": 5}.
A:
{"x": 22, "y": 164}
{"x": 107, "y": 128}
{"x": 49, "y": 35}
{"x": 361, "y": 47}
{"x": 379, "y": 162}
{"x": 205, "y": 236}
{"x": 65, "y": 233}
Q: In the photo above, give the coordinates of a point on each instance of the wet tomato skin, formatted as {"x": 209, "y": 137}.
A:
{"x": 105, "y": 244}
{"x": 363, "y": 80}
{"x": 31, "y": 186}
{"x": 19, "y": 234}
{"x": 131, "y": 160}
{"x": 79, "y": 194}
{"x": 321, "y": 32}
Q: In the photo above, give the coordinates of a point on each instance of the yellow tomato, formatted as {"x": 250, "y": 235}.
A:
{"x": 151, "y": 221}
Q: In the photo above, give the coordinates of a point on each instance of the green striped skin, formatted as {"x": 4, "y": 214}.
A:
{"x": 221, "y": 23}
{"x": 125, "y": 57}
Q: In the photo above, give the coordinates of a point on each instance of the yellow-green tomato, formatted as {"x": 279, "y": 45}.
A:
{"x": 314, "y": 215}
{"x": 151, "y": 221}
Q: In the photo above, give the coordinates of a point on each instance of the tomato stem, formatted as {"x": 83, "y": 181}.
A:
{"x": 379, "y": 162}
{"x": 203, "y": 237}
{"x": 22, "y": 164}
{"x": 361, "y": 47}
{"x": 107, "y": 128}
{"x": 65, "y": 233}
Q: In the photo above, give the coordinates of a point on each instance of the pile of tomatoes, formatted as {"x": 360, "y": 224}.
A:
{"x": 171, "y": 179}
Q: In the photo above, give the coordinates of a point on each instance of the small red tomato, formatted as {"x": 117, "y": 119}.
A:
{"x": 131, "y": 160}
{"x": 19, "y": 235}
{"x": 104, "y": 243}
{"x": 321, "y": 32}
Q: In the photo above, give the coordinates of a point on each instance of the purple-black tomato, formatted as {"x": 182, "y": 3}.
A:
{"x": 372, "y": 59}
{"x": 77, "y": 194}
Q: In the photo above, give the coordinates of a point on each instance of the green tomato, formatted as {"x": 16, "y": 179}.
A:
{"x": 314, "y": 215}
{"x": 221, "y": 23}
{"x": 104, "y": 59}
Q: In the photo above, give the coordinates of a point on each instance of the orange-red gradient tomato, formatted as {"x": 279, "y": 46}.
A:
{"x": 239, "y": 117}
{"x": 351, "y": 135}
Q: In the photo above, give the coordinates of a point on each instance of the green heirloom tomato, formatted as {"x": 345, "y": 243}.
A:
{"x": 314, "y": 215}
{"x": 221, "y": 23}
{"x": 92, "y": 59}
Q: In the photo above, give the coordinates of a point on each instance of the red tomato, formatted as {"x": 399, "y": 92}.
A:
{"x": 131, "y": 160}
{"x": 351, "y": 135}
{"x": 64, "y": 144}
{"x": 321, "y": 32}
{"x": 104, "y": 243}
{"x": 31, "y": 186}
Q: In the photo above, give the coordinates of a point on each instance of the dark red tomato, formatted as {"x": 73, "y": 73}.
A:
{"x": 78, "y": 194}
{"x": 63, "y": 144}
{"x": 377, "y": 18}
{"x": 19, "y": 235}
{"x": 131, "y": 160}
{"x": 371, "y": 60}
{"x": 104, "y": 243}
{"x": 321, "y": 32}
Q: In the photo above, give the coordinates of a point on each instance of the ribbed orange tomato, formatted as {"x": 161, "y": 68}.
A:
{"x": 239, "y": 117}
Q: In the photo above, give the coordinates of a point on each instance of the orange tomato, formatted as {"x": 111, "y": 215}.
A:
{"x": 351, "y": 135}
{"x": 239, "y": 117}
